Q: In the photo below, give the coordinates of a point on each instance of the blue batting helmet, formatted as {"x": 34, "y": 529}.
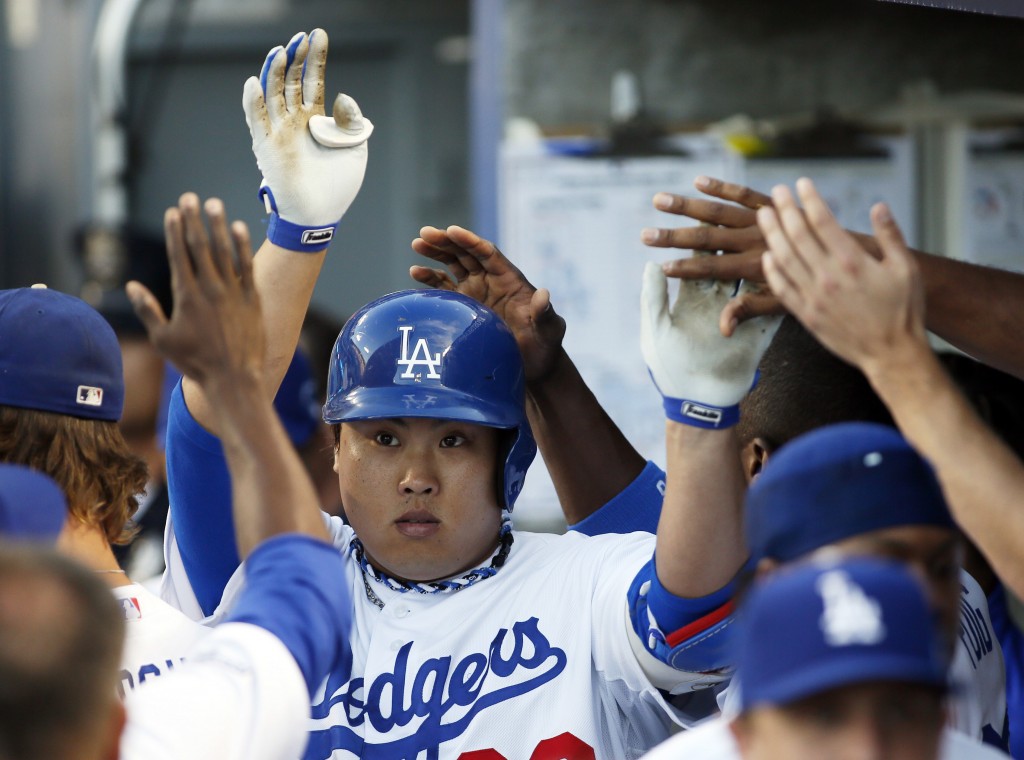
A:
{"x": 438, "y": 355}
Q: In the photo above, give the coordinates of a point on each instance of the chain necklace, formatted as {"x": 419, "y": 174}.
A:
{"x": 452, "y": 585}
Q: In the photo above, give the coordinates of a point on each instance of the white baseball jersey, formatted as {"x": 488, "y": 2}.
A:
{"x": 157, "y": 636}
{"x": 714, "y": 741}
{"x": 240, "y": 695}
{"x": 533, "y": 662}
{"x": 977, "y": 706}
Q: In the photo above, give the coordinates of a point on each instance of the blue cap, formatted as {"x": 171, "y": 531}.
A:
{"x": 836, "y": 482}
{"x": 296, "y": 402}
{"x": 57, "y": 354}
{"x": 815, "y": 627}
{"x": 32, "y": 506}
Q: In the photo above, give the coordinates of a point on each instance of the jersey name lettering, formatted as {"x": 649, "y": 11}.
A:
{"x": 129, "y": 681}
{"x": 420, "y": 356}
{"x": 974, "y": 631}
{"x": 440, "y": 689}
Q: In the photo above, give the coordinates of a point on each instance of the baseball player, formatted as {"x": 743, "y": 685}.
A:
{"x": 245, "y": 690}
{"x": 58, "y": 414}
{"x": 818, "y": 499}
{"x": 840, "y": 659}
{"x": 470, "y": 639}
{"x": 564, "y": 409}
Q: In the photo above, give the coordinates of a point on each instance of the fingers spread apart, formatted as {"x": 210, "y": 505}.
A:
{"x": 729, "y": 191}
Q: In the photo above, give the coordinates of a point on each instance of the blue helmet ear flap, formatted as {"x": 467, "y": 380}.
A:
{"x": 438, "y": 355}
{"x": 516, "y": 456}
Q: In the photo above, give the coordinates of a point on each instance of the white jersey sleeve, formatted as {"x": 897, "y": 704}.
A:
{"x": 239, "y": 696}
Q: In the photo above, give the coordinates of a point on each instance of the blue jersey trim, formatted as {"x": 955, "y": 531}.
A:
{"x": 636, "y": 508}
{"x": 656, "y": 613}
{"x": 297, "y": 589}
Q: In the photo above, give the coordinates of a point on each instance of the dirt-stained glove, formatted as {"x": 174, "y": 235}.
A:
{"x": 312, "y": 164}
{"x": 702, "y": 375}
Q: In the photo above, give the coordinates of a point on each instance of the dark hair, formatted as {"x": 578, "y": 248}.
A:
{"x": 802, "y": 387}
{"x": 996, "y": 396}
{"x": 89, "y": 459}
{"x": 59, "y": 653}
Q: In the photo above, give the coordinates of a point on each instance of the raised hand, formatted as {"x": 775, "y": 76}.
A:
{"x": 216, "y": 329}
{"x": 727, "y": 227}
{"x": 476, "y": 268}
{"x": 701, "y": 374}
{"x": 312, "y": 164}
{"x": 860, "y": 307}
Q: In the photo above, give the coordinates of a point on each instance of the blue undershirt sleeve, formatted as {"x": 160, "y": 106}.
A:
{"x": 199, "y": 486}
{"x": 636, "y": 508}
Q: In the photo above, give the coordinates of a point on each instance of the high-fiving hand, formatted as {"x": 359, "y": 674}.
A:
{"x": 215, "y": 332}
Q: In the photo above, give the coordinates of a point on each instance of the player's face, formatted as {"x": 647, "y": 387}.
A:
{"x": 421, "y": 494}
{"x": 872, "y": 721}
{"x": 930, "y": 552}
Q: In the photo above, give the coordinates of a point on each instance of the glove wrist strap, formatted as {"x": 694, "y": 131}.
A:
{"x": 298, "y": 237}
{"x": 295, "y": 237}
{"x": 701, "y": 415}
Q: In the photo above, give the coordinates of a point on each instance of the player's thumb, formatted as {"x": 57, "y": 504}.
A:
{"x": 548, "y": 322}
{"x": 748, "y": 305}
{"x": 888, "y": 235}
{"x": 147, "y": 308}
{"x": 345, "y": 128}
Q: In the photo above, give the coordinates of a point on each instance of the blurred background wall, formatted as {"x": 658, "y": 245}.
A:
{"x": 408, "y": 63}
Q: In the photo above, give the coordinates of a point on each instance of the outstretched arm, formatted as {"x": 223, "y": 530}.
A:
{"x": 870, "y": 311}
{"x": 296, "y": 586}
{"x": 312, "y": 167}
{"x": 975, "y": 308}
{"x": 702, "y": 376}
{"x": 680, "y": 603}
{"x": 216, "y": 337}
{"x": 589, "y": 458}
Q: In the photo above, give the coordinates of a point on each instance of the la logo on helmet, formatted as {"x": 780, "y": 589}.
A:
{"x": 420, "y": 356}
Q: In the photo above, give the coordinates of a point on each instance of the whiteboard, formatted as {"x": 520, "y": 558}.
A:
{"x": 993, "y": 209}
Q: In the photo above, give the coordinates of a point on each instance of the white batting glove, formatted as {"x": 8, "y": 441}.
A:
{"x": 702, "y": 375}
{"x": 312, "y": 164}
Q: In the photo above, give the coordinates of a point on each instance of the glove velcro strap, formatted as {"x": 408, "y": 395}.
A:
{"x": 701, "y": 415}
{"x": 298, "y": 237}
{"x": 295, "y": 237}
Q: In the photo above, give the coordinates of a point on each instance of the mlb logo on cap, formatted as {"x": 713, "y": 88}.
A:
{"x": 90, "y": 396}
